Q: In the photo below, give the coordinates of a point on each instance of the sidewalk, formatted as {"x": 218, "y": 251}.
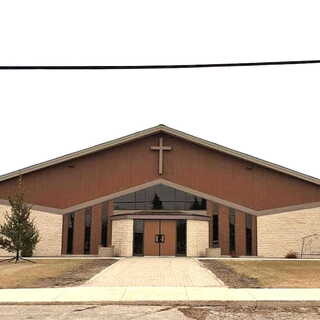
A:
{"x": 161, "y": 295}
{"x": 155, "y": 272}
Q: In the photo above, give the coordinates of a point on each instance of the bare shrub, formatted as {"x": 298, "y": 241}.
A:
{"x": 291, "y": 255}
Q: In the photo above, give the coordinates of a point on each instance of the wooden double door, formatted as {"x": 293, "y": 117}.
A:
{"x": 160, "y": 237}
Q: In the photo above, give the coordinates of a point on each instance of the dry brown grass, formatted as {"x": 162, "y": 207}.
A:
{"x": 49, "y": 273}
{"x": 280, "y": 274}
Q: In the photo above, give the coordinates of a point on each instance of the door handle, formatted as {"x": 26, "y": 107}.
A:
{"x": 159, "y": 238}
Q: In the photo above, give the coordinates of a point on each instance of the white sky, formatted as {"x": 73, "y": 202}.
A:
{"x": 268, "y": 112}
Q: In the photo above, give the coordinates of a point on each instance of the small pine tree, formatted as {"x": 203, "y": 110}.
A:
{"x": 18, "y": 233}
{"x": 203, "y": 205}
{"x": 156, "y": 203}
{"x": 195, "y": 205}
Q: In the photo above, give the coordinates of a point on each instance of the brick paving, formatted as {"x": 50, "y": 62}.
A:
{"x": 156, "y": 271}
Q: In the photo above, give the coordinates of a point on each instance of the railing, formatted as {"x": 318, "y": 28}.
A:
{"x": 310, "y": 245}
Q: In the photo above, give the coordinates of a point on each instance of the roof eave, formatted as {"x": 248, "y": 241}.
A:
{"x": 153, "y": 130}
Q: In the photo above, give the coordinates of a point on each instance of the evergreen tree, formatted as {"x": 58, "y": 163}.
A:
{"x": 156, "y": 203}
{"x": 18, "y": 233}
{"x": 195, "y": 205}
{"x": 203, "y": 205}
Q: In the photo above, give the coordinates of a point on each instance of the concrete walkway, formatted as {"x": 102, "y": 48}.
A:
{"x": 161, "y": 295}
{"x": 159, "y": 281}
{"x": 155, "y": 272}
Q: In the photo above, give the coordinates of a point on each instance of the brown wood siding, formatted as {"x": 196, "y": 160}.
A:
{"x": 95, "y": 229}
{"x": 240, "y": 233}
{"x": 78, "y": 232}
{"x": 188, "y": 164}
{"x": 65, "y": 224}
{"x": 224, "y": 230}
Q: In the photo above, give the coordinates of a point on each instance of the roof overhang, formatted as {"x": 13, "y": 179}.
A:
{"x": 158, "y": 129}
{"x": 206, "y": 196}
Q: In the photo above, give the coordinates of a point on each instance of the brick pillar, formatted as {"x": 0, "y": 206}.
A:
{"x": 254, "y": 236}
{"x": 240, "y": 233}
{"x": 78, "y": 232}
{"x": 209, "y": 213}
{"x": 95, "y": 229}
{"x": 110, "y": 214}
{"x": 65, "y": 223}
{"x": 224, "y": 229}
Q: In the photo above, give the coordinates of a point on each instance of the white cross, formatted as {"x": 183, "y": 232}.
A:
{"x": 161, "y": 148}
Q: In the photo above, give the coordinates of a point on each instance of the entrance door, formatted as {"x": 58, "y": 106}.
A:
{"x": 159, "y": 237}
{"x": 151, "y": 230}
{"x": 168, "y": 238}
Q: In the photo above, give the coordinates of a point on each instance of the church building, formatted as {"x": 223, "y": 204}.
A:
{"x": 163, "y": 192}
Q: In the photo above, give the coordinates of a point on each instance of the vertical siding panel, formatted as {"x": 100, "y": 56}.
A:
{"x": 78, "y": 233}
{"x": 240, "y": 230}
{"x": 108, "y": 171}
{"x": 95, "y": 229}
{"x": 224, "y": 229}
{"x": 65, "y": 223}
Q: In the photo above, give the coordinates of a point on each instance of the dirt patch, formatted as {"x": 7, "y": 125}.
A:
{"x": 285, "y": 273}
{"x": 266, "y": 273}
{"x": 229, "y": 276}
{"x": 50, "y": 273}
{"x": 195, "y": 313}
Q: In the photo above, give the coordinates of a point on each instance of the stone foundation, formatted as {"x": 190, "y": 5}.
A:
{"x": 106, "y": 251}
{"x": 197, "y": 238}
{"x": 213, "y": 252}
{"x": 122, "y": 237}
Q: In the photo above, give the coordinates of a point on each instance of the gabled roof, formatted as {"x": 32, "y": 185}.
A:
{"x": 158, "y": 129}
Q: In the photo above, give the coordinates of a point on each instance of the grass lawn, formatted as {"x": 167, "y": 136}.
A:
{"x": 49, "y": 273}
{"x": 266, "y": 274}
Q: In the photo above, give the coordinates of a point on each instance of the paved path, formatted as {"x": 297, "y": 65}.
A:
{"x": 157, "y": 272}
{"x": 161, "y": 295}
{"x": 121, "y": 312}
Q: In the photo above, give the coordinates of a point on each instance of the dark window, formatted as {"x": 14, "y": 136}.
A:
{"x": 104, "y": 224}
{"x": 248, "y": 234}
{"x": 138, "y": 237}
{"x": 87, "y": 231}
{"x": 160, "y": 197}
{"x": 181, "y": 237}
{"x": 215, "y": 229}
{"x": 70, "y": 233}
{"x": 232, "y": 240}
{"x": 215, "y": 226}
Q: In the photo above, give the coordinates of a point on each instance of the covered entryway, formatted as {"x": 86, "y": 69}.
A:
{"x": 159, "y": 237}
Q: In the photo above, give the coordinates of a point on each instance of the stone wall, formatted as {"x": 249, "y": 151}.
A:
{"x": 197, "y": 238}
{"x": 50, "y": 229}
{"x": 122, "y": 237}
{"x": 277, "y": 234}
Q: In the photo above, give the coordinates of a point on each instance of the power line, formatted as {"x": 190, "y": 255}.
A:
{"x": 160, "y": 66}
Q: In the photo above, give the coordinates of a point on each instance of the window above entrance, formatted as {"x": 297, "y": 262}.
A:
{"x": 159, "y": 197}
